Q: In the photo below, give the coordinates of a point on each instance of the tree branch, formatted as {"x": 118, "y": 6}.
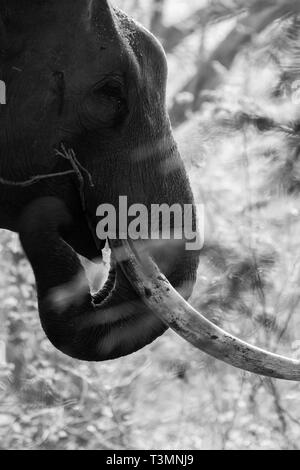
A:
{"x": 207, "y": 75}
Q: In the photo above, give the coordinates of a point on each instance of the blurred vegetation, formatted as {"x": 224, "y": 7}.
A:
{"x": 234, "y": 71}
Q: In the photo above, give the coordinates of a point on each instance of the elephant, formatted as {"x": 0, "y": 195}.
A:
{"x": 85, "y": 122}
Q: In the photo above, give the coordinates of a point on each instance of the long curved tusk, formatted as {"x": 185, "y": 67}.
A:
{"x": 175, "y": 312}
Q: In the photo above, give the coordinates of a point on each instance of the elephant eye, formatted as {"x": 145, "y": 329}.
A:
{"x": 110, "y": 100}
{"x": 110, "y": 89}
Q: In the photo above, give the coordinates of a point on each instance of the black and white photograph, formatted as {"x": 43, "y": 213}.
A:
{"x": 149, "y": 228}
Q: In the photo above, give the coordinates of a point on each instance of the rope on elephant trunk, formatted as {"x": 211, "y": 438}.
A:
{"x": 86, "y": 189}
{"x": 34, "y": 179}
{"x": 86, "y": 186}
{"x": 79, "y": 170}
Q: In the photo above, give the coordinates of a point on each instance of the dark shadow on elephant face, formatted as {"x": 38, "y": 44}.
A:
{"x": 90, "y": 77}
{"x": 82, "y": 74}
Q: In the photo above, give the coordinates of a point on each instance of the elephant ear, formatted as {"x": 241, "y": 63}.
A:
{"x": 16, "y": 17}
{"x": 3, "y": 37}
{"x": 12, "y": 10}
{"x": 25, "y": 14}
{"x": 21, "y": 19}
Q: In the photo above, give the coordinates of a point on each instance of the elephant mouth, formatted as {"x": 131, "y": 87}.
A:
{"x": 165, "y": 303}
{"x": 136, "y": 305}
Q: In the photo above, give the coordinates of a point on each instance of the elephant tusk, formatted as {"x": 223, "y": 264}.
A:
{"x": 175, "y": 312}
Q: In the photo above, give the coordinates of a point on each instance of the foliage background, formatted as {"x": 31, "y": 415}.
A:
{"x": 234, "y": 103}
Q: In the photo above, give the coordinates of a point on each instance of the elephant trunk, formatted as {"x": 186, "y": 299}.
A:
{"x": 111, "y": 324}
{"x": 136, "y": 305}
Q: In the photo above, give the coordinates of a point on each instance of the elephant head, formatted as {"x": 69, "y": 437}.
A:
{"x": 82, "y": 75}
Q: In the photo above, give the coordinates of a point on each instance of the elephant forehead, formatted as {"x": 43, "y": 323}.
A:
{"x": 86, "y": 39}
{"x": 127, "y": 45}
{"x": 115, "y": 44}
{"x": 148, "y": 51}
